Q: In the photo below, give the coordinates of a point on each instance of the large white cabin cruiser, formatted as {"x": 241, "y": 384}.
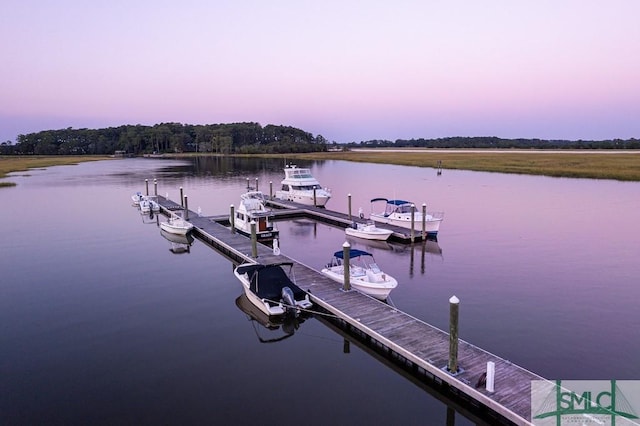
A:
{"x": 300, "y": 186}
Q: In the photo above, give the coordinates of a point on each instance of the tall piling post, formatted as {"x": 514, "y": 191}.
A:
{"x": 232, "y": 218}
{"x": 155, "y": 187}
{"x": 181, "y": 197}
{"x": 491, "y": 374}
{"x": 413, "y": 221}
{"x": 270, "y": 190}
{"x": 146, "y": 184}
{"x": 254, "y": 240}
{"x": 186, "y": 208}
{"x": 256, "y": 184}
{"x": 454, "y": 308}
{"x": 346, "y": 247}
{"x": 349, "y": 204}
{"x": 248, "y": 186}
{"x": 314, "y": 198}
{"x": 424, "y": 221}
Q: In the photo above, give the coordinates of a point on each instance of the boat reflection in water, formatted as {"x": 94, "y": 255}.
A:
{"x": 282, "y": 327}
{"x": 179, "y": 244}
{"x": 427, "y": 249}
{"x": 430, "y": 246}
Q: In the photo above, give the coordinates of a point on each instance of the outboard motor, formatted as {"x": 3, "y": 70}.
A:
{"x": 287, "y": 297}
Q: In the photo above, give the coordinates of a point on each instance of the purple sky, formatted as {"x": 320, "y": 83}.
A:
{"x": 348, "y": 70}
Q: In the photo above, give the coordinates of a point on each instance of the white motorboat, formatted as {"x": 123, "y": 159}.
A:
{"x": 300, "y": 186}
{"x": 270, "y": 289}
{"x": 252, "y": 208}
{"x": 364, "y": 273}
{"x": 137, "y": 197}
{"x": 176, "y": 224}
{"x": 149, "y": 204}
{"x": 368, "y": 231}
{"x": 398, "y": 212}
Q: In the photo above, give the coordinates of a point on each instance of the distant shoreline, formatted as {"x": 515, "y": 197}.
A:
{"x": 586, "y": 164}
{"x": 598, "y": 164}
{"x": 502, "y": 151}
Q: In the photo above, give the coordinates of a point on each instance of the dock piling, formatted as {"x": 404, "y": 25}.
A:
{"x": 491, "y": 373}
{"x": 254, "y": 240}
{"x": 155, "y": 187}
{"x": 349, "y": 203}
{"x": 181, "y": 197}
{"x": 256, "y": 184}
{"x": 413, "y": 220}
{"x": 454, "y": 305}
{"x": 146, "y": 184}
{"x": 346, "y": 265}
{"x": 314, "y": 198}
{"x": 186, "y": 208}
{"x": 424, "y": 221}
{"x": 232, "y": 218}
{"x": 270, "y": 190}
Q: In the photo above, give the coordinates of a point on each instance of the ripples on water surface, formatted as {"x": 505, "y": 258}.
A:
{"x": 102, "y": 324}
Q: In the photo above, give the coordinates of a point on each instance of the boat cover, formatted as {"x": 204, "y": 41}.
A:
{"x": 394, "y": 202}
{"x": 352, "y": 253}
{"x": 267, "y": 281}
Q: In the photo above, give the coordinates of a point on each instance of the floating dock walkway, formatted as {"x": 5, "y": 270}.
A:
{"x": 290, "y": 210}
{"x": 422, "y": 348}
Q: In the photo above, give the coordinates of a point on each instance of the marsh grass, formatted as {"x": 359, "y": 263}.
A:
{"x": 9, "y": 164}
{"x": 591, "y": 164}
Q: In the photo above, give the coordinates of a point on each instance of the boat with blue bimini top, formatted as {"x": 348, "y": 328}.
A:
{"x": 398, "y": 213}
{"x": 364, "y": 273}
{"x": 300, "y": 186}
{"x": 271, "y": 289}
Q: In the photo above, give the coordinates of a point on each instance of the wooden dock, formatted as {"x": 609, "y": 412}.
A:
{"x": 422, "y": 347}
{"x": 289, "y": 210}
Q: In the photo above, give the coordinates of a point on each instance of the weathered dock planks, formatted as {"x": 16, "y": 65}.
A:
{"x": 425, "y": 347}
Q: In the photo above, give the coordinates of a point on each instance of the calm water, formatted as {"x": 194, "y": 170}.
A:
{"x": 100, "y": 323}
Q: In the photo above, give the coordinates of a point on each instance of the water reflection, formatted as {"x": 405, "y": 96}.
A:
{"x": 303, "y": 227}
{"x": 279, "y": 328}
{"x": 179, "y": 244}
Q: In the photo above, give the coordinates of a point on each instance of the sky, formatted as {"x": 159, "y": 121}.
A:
{"x": 347, "y": 70}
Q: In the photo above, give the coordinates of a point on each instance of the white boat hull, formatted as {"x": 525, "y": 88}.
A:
{"x": 432, "y": 223}
{"x": 176, "y": 226}
{"x": 304, "y": 197}
{"x": 369, "y": 232}
{"x": 378, "y": 289}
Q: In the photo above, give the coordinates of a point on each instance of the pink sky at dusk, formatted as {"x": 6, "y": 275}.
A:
{"x": 348, "y": 70}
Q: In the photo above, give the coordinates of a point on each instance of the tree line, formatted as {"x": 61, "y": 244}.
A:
{"x": 234, "y": 138}
{"x": 248, "y": 138}
{"x": 499, "y": 143}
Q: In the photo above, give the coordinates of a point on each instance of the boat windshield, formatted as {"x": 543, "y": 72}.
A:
{"x": 300, "y": 174}
{"x": 305, "y": 187}
{"x": 403, "y": 208}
